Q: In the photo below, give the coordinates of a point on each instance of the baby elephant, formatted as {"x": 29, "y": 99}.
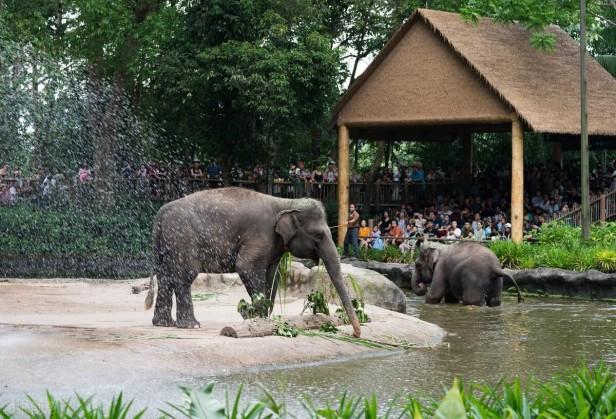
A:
{"x": 467, "y": 272}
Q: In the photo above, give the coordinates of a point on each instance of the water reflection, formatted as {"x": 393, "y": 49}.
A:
{"x": 538, "y": 338}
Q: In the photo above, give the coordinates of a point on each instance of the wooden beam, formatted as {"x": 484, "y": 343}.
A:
{"x": 343, "y": 181}
{"x": 517, "y": 181}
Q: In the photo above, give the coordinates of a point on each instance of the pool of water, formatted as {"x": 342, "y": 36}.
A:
{"x": 537, "y": 338}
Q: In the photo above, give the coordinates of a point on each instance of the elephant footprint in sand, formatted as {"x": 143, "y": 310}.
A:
{"x": 235, "y": 230}
{"x": 467, "y": 272}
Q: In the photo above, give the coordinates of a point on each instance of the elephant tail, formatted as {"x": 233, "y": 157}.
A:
{"x": 506, "y": 275}
{"x": 149, "y": 299}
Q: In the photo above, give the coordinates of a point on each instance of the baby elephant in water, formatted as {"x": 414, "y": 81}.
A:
{"x": 467, "y": 272}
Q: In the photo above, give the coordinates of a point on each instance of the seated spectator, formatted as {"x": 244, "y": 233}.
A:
{"x": 364, "y": 234}
{"x": 394, "y": 232}
{"x": 377, "y": 242}
{"x": 213, "y": 170}
{"x": 4, "y": 171}
{"x": 506, "y": 235}
{"x": 195, "y": 170}
{"x": 429, "y": 229}
{"x": 454, "y": 232}
{"x": 467, "y": 231}
{"x": 479, "y": 232}
{"x": 385, "y": 224}
{"x": 84, "y": 173}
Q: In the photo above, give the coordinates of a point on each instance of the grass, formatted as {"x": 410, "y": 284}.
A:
{"x": 582, "y": 393}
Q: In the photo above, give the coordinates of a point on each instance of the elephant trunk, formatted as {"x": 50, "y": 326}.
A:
{"x": 329, "y": 254}
{"x": 419, "y": 287}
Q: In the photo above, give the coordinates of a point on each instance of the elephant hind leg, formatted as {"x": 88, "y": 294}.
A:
{"x": 164, "y": 302}
{"x": 185, "y": 312}
{"x": 495, "y": 291}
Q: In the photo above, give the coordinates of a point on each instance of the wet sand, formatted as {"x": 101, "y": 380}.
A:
{"x": 94, "y": 337}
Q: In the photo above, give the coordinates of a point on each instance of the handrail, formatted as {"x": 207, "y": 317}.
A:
{"x": 602, "y": 208}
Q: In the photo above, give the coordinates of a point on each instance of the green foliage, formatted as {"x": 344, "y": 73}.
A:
{"x": 317, "y": 302}
{"x": 582, "y": 393}
{"x": 390, "y": 254}
{"x": 606, "y": 260}
{"x": 328, "y": 327}
{"x": 84, "y": 408}
{"x": 259, "y": 307}
{"x": 75, "y": 230}
{"x": 561, "y": 246}
{"x": 358, "y": 307}
{"x": 286, "y": 330}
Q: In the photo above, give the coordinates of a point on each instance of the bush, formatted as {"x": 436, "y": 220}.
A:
{"x": 561, "y": 246}
{"x": 28, "y": 230}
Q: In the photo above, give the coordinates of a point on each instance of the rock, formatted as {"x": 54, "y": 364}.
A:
{"x": 216, "y": 282}
{"x": 399, "y": 273}
{"x": 376, "y": 289}
{"x": 590, "y": 284}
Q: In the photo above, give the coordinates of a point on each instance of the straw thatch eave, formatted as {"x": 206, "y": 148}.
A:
{"x": 519, "y": 76}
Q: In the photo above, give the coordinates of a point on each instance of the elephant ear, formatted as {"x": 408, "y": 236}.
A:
{"x": 287, "y": 224}
{"x": 433, "y": 258}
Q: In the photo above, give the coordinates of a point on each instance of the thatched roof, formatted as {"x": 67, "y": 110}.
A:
{"x": 412, "y": 83}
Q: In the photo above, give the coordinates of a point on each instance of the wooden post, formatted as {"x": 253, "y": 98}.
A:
{"x": 517, "y": 181}
{"x": 467, "y": 153}
{"x": 602, "y": 202}
{"x": 343, "y": 182}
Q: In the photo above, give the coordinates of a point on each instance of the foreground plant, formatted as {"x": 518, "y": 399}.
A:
{"x": 584, "y": 393}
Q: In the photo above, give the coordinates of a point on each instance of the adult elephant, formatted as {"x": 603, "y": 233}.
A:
{"x": 235, "y": 230}
{"x": 467, "y": 272}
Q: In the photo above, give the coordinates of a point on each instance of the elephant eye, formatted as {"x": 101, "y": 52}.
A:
{"x": 319, "y": 236}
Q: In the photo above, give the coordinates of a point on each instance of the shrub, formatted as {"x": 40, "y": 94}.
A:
{"x": 605, "y": 260}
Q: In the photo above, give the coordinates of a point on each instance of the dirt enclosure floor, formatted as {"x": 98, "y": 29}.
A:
{"x": 94, "y": 337}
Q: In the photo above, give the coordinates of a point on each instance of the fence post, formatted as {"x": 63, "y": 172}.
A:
{"x": 602, "y": 207}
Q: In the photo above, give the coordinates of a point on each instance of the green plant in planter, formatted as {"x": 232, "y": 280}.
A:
{"x": 317, "y": 302}
{"x": 260, "y": 307}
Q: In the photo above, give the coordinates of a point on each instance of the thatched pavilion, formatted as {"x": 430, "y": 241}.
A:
{"x": 441, "y": 76}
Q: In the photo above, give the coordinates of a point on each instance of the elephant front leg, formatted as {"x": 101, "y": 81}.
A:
{"x": 164, "y": 301}
{"x": 185, "y": 311}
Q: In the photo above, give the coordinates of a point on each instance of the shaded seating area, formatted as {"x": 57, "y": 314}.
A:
{"x": 440, "y": 78}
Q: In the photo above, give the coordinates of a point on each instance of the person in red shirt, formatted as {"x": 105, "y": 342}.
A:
{"x": 394, "y": 232}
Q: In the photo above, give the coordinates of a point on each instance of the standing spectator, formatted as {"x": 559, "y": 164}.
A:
{"x": 331, "y": 175}
{"x": 352, "y": 235}
{"x": 19, "y": 182}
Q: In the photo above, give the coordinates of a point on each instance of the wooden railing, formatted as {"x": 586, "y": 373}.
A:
{"x": 167, "y": 189}
{"x": 602, "y": 208}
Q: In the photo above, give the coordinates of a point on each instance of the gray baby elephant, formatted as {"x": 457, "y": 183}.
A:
{"x": 467, "y": 272}
{"x": 235, "y": 230}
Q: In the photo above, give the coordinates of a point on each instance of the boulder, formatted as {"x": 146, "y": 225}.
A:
{"x": 399, "y": 273}
{"x": 375, "y": 288}
{"x": 590, "y": 284}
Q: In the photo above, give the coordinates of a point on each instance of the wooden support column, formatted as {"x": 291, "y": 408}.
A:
{"x": 467, "y": 153}
{"x": 343, "y": 182}
{"x": 517, "y": 181}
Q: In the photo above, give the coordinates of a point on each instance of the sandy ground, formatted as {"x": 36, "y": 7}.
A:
{"x": 96, "y": 337}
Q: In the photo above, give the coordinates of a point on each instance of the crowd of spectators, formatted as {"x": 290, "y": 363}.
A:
{"x": 477, "y": 209}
